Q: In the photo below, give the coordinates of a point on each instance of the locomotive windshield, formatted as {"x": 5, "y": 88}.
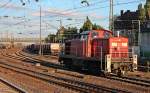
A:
{"x": 94, "y": 34}
{"x": 84, "y": 35}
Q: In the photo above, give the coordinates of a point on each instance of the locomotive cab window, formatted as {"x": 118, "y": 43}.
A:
{"x": 94, "y": 34}
{"x": 84, "y": 37}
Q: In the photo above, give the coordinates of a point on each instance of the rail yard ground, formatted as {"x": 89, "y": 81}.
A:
{"x": 4, "y": 88}
{"x": 21, "y": 70}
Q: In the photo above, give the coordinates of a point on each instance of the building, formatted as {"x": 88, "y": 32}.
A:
{"x": 136, "y": 26}
{"x": 125, "y": 20}
{"x": 145, "y": 43}
{"x": 128, "y": 25}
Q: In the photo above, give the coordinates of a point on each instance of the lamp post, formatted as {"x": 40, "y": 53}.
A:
{"x": 139, "y": 31}
{"x": 139, "y": 34}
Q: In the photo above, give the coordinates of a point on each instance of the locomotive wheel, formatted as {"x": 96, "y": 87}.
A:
{"x": 119, "y": 73}
{"x": 67, "y": 63}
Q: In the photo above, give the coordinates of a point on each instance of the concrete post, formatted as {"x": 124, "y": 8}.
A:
{"x": 108, "y": 63}
{"x": 135, "y": 62}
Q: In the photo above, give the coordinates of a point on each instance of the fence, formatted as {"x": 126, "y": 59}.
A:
{"x": 145, "y": 54}
{"x": 145, "y": 67}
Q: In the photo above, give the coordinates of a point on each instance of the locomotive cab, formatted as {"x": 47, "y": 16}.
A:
{"x": 120, "y": 59}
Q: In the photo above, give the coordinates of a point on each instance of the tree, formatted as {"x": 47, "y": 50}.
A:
{"x": 70, "y": 33}
{"x": 50, "y": 38}
{"x": 147, "y": 9}
{"x": 139, "y": 6}
{"x": 60, "y": 34}
{"x": 97, "y": 27}
{"x": 87, "y": 25}
{"x": 141, "y": 13}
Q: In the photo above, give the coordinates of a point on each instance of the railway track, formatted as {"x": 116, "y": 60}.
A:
{"x": 136, "y": 81}
{"x": 29, "y": 59}
{"x": 132, "y": 80}
{"x": 65, "y": 82}
{"x": 140, "y": 82}
{"x": 14, "y": 87}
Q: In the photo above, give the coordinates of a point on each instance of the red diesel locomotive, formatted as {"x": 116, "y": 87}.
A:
{"x": 99, "y": 51}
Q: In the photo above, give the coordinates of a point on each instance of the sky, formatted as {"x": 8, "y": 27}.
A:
{"x": 24, "y": 21}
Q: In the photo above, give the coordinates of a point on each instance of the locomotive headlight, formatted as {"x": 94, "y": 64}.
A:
{"x": 95, "y": 36}
{"x": 114, "y": 44}
{"x": 124, "y": 44}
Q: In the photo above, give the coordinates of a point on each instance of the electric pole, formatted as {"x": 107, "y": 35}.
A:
{"x": 111, "y": 20}
{"x": 40, "y": 51}
{"x": 60, "y": 22}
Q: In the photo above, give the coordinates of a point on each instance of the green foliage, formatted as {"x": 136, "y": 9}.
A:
{"x": 70, "y": 33}
{"x": 147, "y": 5}
{"x": 142, "y": 12}
{"x": 60, "y": 37}
{"x": 89, "y": 26}
{"x": 64, "y": 34}
{"x": 147, "y": 8}
{"x": 97, "y": 27}
{"x": 139, "y": 6}
{"x": 50, "y": 38}
{"x": 60, "y": 34}
{"x": 146, "y": 54}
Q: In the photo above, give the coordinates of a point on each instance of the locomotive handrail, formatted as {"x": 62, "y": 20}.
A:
{"x": 122, "y": 59}
{"x": 75, "y": 51}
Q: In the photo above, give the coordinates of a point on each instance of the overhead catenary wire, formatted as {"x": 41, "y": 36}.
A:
{"x": 91, "y": 9}
{"x": 67, "y": 12}
{"x": 130, "y": 2}
{"x": 4, "y": 5}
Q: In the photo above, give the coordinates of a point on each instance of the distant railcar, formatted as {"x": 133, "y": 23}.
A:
{"x": 55, "y": 48}
{"x": 35, "y": 48}
{"x": 46, "y": 48}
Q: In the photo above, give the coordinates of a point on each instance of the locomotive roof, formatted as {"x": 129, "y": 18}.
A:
{"x": 87, "y": 32}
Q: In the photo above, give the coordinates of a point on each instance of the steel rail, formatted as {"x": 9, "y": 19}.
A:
{"x": 15, "y": 87}
{"x": 123, "y": 79}
{"x": 69, "y": 83}
{"x": 132, "y": 80}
